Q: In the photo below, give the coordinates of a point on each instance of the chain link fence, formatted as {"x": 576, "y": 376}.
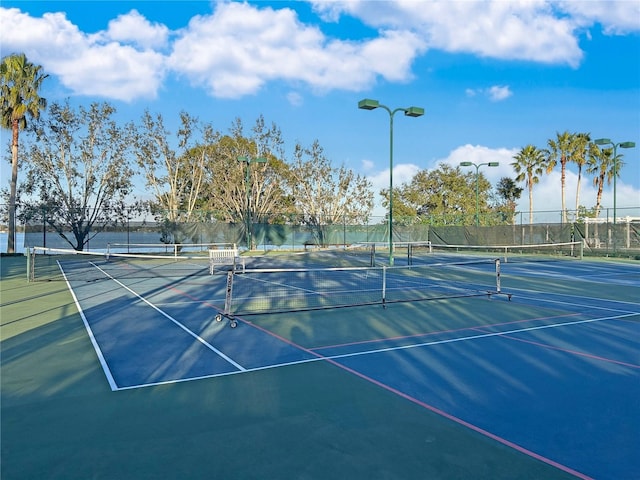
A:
{"x": 601, "y": 236}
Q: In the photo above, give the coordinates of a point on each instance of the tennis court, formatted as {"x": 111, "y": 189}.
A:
{"x": 539, "y": 360}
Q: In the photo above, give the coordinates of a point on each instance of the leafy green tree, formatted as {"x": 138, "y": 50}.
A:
{"x": 78, "y": 171}
{"x": 225, "y": 189}
{"x": 174, "y": 175}
{"x": 509, "y": 191}
{"x": 20, "y": 84}
{"x": 584, "y": 213}
{"x": 443, "y": 196}
{"x": 529, "y": 165}
{"x": 323, "y": 194}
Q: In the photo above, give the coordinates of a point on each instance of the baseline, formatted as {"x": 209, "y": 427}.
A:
{"x": 176, "y": 322}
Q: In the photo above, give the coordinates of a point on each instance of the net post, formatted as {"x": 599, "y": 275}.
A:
{"x": 430, "y": 246}
{"x": 384, "y": 286}
{"x": 497, "y": 261}
{"x": 229, "y": 294}
{"x": 29, "y": 265}
{"x": 372, "y": 262}
{"x": 582, "y": 249}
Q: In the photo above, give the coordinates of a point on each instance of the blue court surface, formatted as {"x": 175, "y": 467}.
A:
{"x": 552, "y": 370}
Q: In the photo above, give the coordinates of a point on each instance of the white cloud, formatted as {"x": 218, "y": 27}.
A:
{"x": 616, "y": 18}
{"x": 239, "y": 48}
{"x": 136, "y": 29}
{"x": 86, "y": 64}
{"x": 524, "y": 30}
{"x": 495, "y": 93}
{"x": 367, "y": 165}
{"x": 295, "y": 99}
{"x": 498, "y": 93}
{"x": 402, "y": 173}
{"x": 480, "y": 154}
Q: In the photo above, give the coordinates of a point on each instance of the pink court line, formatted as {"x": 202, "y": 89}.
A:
{"x": 425, "y": 405}
{"x": 462, "y": 329}
{"x": 195, "y": 299}
{"x": 414, "y": 400}
{"x": 566, "y": 350}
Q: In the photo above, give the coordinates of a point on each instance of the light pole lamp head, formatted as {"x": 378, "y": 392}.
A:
{"x": 628, "y": 144}
{"x": 248, "y": 160}
{"x": 603, "y": 141}
{"x": 414, "y": 112}
{"x": 465, "y": 164}
{"x": 494, "y": 164}
{"x": 368, "y": 104}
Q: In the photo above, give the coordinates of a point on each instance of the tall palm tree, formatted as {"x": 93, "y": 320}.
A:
{"x": 561, "y": 150}
{"x": 529, "y": 165}
{"x": 580, "y": 154}
{"x": 20, "y": 84}
{"x": 600, "y": 164}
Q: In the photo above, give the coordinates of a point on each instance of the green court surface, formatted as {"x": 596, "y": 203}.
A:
{"x": 307, "y": 420}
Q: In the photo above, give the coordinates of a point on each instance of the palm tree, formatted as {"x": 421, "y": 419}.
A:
{"x": 20, "y": 83}
{"x": 561, "y": 149}
{"x": 601, "y": 164}
{"x": 580, "y": 159}
{"x": 529, "y": 165}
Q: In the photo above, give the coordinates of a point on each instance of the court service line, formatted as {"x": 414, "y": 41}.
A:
{"x": 573, "y": 304}
{"x": 440, "y": 332}
{"x": 475, "y": 337}
{"x": 318, "y": 357}
{"x": 566, "y": 350}
{"x": 183, "y": 327}
{"x": 103, "y": 362}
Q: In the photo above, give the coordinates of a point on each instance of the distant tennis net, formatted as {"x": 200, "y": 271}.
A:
{"x": 257, "y": 291}
{"x": 58, "y": 264}
{"x": 412, "y": 253}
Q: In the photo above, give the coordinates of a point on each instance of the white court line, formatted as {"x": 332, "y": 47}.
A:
{"x": 484, "y": 335}
{"x": 320, "y": 358}
{"x": 193, "y": 334}
{"x": 112, "y": 383}
{"x": 573, "y": 304}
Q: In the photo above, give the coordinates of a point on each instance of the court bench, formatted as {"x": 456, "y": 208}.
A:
{"x": 224, "y": 256}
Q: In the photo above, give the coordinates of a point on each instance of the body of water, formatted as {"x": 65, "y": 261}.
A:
{"x": 4, "y": 238}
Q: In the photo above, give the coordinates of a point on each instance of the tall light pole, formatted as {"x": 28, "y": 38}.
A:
{"x": 478, "y": 165}
{"x": 607, "y": 141}
{"x": 247, "y": 180}
{"x": 369, "y": 104}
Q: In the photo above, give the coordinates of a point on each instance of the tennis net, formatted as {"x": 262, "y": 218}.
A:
{"x": 424, "y": 252}
{"x": 258, "y": 291}
{"x": 47, "y": 264}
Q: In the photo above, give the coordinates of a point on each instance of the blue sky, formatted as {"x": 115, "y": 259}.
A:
{"x": 492, "y": 76}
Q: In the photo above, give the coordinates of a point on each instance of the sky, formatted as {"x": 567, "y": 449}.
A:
{"x": 492, "y": 76}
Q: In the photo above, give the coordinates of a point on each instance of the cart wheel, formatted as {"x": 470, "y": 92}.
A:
{"x": 233, "y": 324}
{"x": 218, "y": 318}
